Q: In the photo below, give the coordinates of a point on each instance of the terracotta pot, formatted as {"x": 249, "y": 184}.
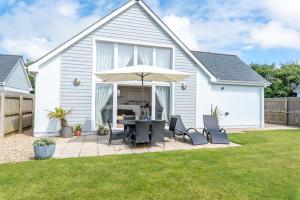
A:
{"x": 77, "y": 133}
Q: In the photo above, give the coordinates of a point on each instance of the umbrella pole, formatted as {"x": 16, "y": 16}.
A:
{"x": 142, "y": 95}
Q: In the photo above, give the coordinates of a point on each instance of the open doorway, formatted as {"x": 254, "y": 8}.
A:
{"x": 129, "y": 102}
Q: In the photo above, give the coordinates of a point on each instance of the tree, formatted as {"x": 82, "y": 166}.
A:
{"x": 284, "y": 79}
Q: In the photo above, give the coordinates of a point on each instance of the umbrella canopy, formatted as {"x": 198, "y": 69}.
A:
{"x": 144, "y": 73}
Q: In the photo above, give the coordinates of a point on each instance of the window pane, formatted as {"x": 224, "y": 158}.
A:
{"x": 105, "y": 56}
{"x": 145, "y": 56}
{"x": 163, "y": 58}
{"x": 125, "y": 56}
{"x": 162, "y": 103}
{"x": 104, "y": 103}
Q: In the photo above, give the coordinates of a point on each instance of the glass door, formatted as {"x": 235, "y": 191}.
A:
{"x": 162, "y": 102}
{"x": 129, "y": 102}
{"x": 104, "y": 103}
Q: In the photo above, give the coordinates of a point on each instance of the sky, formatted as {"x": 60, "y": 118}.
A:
{"x": 259, "y": 31}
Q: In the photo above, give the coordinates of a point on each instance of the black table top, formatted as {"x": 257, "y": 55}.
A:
{"x": 132, "y": 122}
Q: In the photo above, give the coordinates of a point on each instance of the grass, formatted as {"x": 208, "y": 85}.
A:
{"x": 267, "y": 166}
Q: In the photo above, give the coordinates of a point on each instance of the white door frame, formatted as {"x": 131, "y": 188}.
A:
{"x": 137, "y": 84}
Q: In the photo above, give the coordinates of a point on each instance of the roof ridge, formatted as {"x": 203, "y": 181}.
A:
{"x": 2, "y": 54}
{"x": 213, "y": 53}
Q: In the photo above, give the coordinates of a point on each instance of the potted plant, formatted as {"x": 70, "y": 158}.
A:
{"x": 60, "y": 114}
{"x": 102, "y": 130}
{"x": 44, "y": 148}
{"x": 106, "y": 131}
{"x": 77, "y": 129}
{"x": 216, "y": 112}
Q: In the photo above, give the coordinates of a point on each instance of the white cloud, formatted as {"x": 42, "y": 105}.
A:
{"x": 32, "y": 30}
{"x": 228, "y": 25}
{"x": 182, "y": 27}
{"x": 287, "y": 11}
{"x": 34, "y": 47}
{"x": 214, "y": 25}
{"x": 68, "y": 9}
{"x": 274, "y": 34}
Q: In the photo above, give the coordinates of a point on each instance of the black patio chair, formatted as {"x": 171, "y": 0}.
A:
{"x": 115, "y": 135}
{"x": 128, "y": 128}
{"x": 171, "y": 131}
{"x": 195, "y": 136}
{"x": 141, "y": 132}
{"x": 215, "y": 134}
{"x": 157, "y": 131}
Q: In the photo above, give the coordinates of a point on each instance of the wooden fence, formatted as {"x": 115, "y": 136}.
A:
{"x": 16, "y": 112}
{"x": 282, "y": 110}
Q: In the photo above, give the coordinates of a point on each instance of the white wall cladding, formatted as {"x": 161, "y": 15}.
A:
{"x": 203, "y": 98}
{"x": 242, "y": 102}
{"x": 18, "y": 79}
{"x": 47, "y": 96}
{"x": 133, "y": 24}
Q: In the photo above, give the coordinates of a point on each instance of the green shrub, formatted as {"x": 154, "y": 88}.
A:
{"x": 60, "y": 113}
{"x": 43, "y": 142}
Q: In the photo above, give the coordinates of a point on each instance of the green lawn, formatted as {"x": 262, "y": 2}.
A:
{"x": 267, "y": 166}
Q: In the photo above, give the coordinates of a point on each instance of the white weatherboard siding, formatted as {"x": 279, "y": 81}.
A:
{"x": 132, "y": 25}
{"x": 54, "y": 82}
{"x": 243, "y": 103}
{"x": 203, "y": 96}
{"x": 47, "y": 96}
{"x": 17, "y": 80}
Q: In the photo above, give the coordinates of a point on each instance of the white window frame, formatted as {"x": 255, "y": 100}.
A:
{"x": 95, "y": 79}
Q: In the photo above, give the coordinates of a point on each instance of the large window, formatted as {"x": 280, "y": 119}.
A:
{"x": 162, "y": 103}
{"x": 104, "y": 103}
{"x": 145, "y": 56}
{"x": 125, "y": 56}
{"x": 163, "y": 58}
{"x": 130, "y": 55}
{"x": 105, "y": 56}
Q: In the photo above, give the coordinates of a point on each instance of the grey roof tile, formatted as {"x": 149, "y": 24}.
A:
{"x": 227, "y": 67}
{"x": 7, "y": 63}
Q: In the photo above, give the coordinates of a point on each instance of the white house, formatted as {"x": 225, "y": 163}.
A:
{"x": 134, "y": 35}
{"x": 297, "y": 91}
{"x": 13, "y": 76}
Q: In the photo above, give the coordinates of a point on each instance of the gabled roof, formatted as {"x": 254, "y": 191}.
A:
{"x": 33, "y": 67}
{"x": 7, "y": 64}
{"x": 227, "y": 67}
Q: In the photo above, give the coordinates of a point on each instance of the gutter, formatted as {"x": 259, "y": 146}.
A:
{"x": 241, "y": 83}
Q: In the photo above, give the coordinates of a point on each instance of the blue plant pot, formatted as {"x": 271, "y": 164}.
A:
{"x": 44, "y": 152}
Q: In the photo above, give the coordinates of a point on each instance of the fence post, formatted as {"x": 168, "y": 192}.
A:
{"x": 21, "y": 114}
{"x": 2, "y": 110}
{"x": 286, "y": 111}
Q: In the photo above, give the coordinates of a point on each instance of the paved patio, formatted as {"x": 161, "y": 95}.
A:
{"x": 18, "y": 147}
{"x": 94, "y": 145}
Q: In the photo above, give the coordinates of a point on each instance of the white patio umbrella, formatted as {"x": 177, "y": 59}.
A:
{"x": 143, "y": 73}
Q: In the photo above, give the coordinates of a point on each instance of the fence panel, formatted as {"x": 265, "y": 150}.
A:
{"x": 16, "y": 112}
{"x": 282, "y": 110}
